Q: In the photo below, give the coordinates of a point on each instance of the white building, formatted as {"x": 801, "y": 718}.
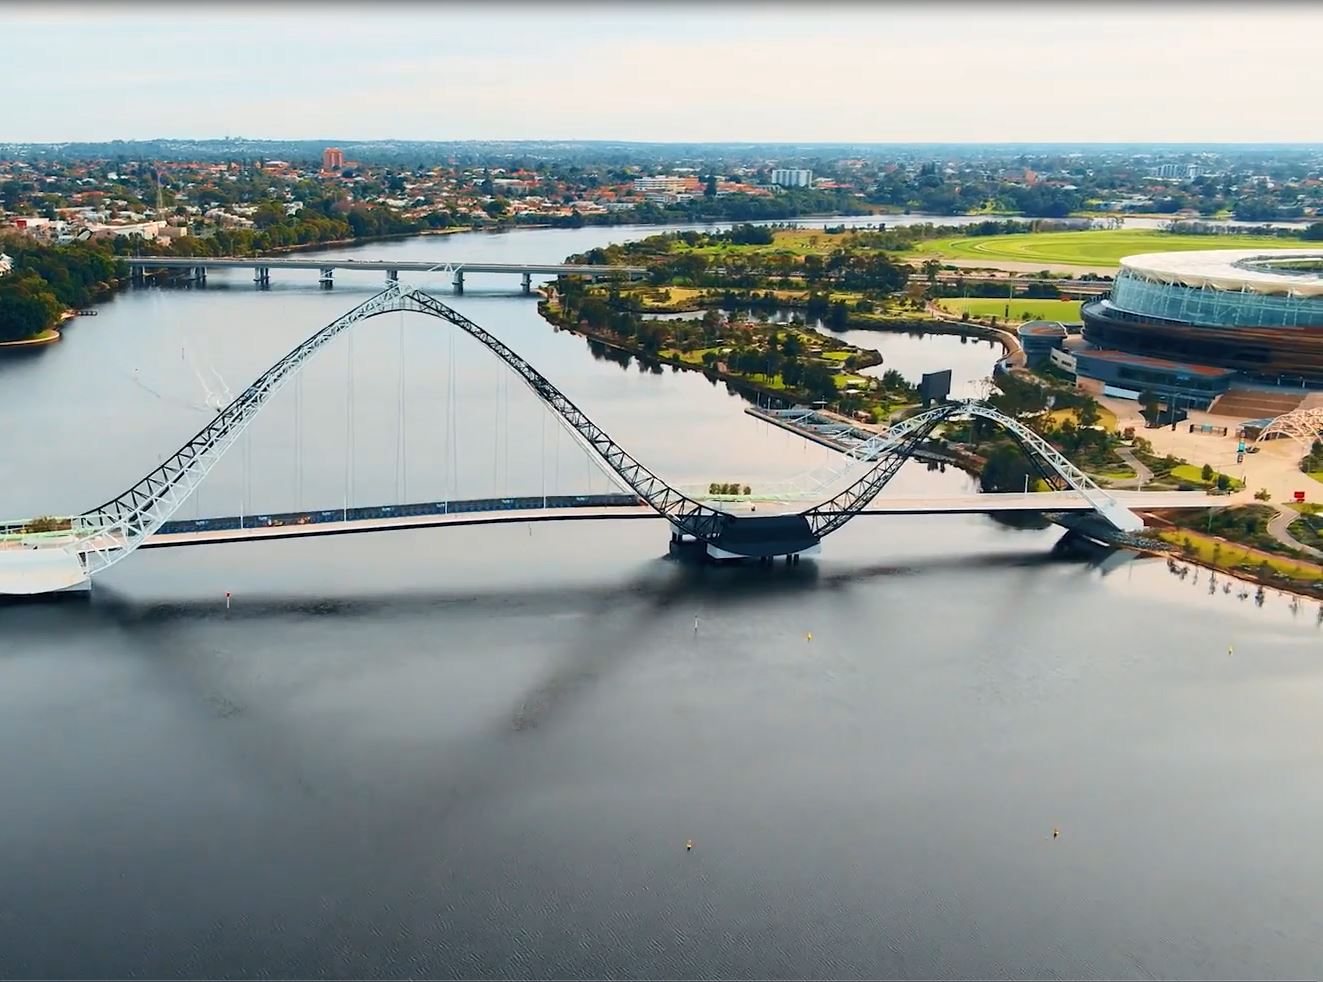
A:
{"x": 792, "y": 177}
{"x": 144, "y": 230}
{"x": 662, "y": 184}
{"x": 6, "y": 264}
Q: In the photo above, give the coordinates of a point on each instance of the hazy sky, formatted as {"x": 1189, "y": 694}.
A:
{"x": 807, "y": 71}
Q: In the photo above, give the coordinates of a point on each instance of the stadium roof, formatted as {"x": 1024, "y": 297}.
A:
{"x": 1247, "y": 270}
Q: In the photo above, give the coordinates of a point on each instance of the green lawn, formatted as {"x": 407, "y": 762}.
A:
{"x": 1190, "y": 474}
{"x": 1316, "y": 475}
{"x": 1103, "y": 247}
{"x": 1230, "y": 554}
{"x": 1021, "y": 309}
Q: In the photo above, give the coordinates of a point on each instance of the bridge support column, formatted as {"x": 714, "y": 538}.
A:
{"x": 327, "y": 277}
{"x": 200, "y": 275}
{"x": 459, "y": 283}
{"x": 392, "y": 275}
{"x": 137, "y": 275}
{"x": 528, "y": 283}
{"x": 262, "y": 275}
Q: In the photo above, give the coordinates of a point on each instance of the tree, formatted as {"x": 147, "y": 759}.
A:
{"x": 1088, "y": 413}
{"x": 710, "y": 190}
{"x": 1207, "y": 472}
{"x": 1223, "y": 482}
{"x": 1313, "y": 232}
{"x": 1148, "y": 399}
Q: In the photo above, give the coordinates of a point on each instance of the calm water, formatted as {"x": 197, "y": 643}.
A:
{"x": 480, "y": 752}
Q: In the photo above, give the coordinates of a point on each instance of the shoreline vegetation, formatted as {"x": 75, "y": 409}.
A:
{"x": 831, "y": 279}
{"x": 841, "y": 279}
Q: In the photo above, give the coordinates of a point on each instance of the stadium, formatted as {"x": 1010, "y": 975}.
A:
{"x": 1193, "y": 324}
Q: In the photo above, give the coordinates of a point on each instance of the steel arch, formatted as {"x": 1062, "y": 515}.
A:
{"x": 110, "y": 532}
{"x": 904, "y": 438}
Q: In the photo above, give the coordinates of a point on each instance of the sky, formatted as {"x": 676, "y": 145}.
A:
{"x": 812, "y": 71}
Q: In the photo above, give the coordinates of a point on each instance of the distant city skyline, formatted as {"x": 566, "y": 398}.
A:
{"x": 944, "y": 72}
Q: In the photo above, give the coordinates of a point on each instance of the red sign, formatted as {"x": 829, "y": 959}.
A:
{"x": 1299, "y": 496}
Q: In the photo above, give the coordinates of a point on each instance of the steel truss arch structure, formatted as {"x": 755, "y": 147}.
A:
{"x": 1301, "y": 425}
{"x": 107, "y": 534}
{"x": 902, "y": 439}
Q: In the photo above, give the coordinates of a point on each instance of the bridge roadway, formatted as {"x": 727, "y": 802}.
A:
{"x": 559, "y": 508}
{"x": 261, "y": 267}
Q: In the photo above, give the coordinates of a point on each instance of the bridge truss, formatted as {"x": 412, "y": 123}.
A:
{"x": 1301, "y": 425}
{"x": 110, "y": 532}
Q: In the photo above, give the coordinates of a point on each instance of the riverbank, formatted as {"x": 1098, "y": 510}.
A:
{"x": 737, "y": 382}
{"x": 48, "y": 336}
{"x": 1268, "y": 569}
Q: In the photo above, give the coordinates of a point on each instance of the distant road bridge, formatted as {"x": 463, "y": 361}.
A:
{"x": 326, "y": 267}
{"x": 56, "y": 553}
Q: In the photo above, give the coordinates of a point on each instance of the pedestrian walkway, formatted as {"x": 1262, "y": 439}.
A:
{"x": 1278, "y": 528}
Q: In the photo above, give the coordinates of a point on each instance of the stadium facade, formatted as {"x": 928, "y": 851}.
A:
{"x": 1194, "y": 322}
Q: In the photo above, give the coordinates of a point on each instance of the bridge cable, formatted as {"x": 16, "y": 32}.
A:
{"x": 496, "y": 435}
{"x": 298, "y": 441}
{"x": 401, "y": 449}
{"x": 349, "y": 420}
{"x": 452, "y": 431}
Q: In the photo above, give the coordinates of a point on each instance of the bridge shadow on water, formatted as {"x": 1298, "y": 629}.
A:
{"x": 455, "y": 781}
{"x": 662, "y": 582}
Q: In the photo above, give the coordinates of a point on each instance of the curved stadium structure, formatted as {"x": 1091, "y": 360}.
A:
{"x": 1253, "y": 313}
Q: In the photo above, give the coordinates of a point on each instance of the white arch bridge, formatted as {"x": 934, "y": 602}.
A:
{"x": 48, "y": 555}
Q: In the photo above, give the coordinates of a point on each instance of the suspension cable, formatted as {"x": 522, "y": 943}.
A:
{"x": 401, "y": 446}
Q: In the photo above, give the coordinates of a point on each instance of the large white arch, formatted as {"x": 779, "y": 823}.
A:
{"x": 109, "y": 533}
{"x": 1301, "y": 425}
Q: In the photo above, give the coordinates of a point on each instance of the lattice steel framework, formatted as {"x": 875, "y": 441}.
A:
{"x": 1301, "y": 425}
{"x": 905, "y": 437}
{"x": 110, "y": 532}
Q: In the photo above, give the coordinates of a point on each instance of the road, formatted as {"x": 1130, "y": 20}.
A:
{"x": 1278, "y": 529}
{"x": 1142, "y": 473}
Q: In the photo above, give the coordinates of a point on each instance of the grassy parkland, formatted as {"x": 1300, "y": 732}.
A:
{"x": 1094, "y": 247}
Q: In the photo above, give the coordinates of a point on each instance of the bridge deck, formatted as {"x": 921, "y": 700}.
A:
{"x": 972, "y": 504}
{"x": 375, "y": 265}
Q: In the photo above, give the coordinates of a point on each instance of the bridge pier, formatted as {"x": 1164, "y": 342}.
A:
{"x": 392, "y": 275}
{"x": 459, "y": 283}
{"x": 262, "y": 275}
{"x": 137, "y": 275}
{"x": 200, "y": 275}
{"x": 528, "y": 284}
{"x": 327, "y": 279}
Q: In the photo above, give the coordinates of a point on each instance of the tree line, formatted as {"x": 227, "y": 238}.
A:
{"x": 46, "y": 280}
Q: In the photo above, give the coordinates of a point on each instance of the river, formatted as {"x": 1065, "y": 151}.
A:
{"x": 481, "y": 752}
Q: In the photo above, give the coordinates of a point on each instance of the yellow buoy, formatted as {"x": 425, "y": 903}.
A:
{"x": 1228, "y": 649}
{"x": 1056, "y": 833}
{"x": 688, "y": 844}
{"x": 809, "y": 636}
